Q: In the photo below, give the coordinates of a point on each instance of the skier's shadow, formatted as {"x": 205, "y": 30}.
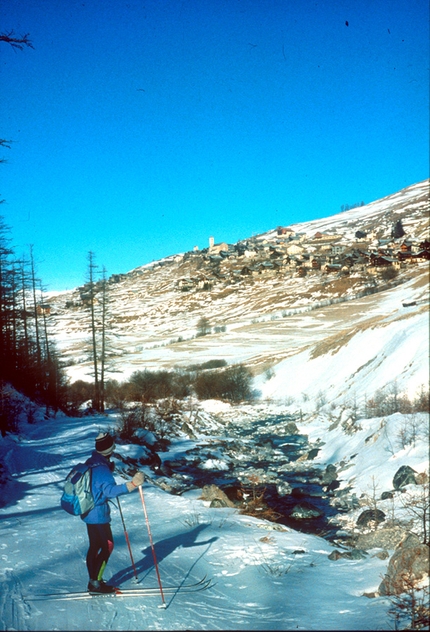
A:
{"x": 163, "y": 548}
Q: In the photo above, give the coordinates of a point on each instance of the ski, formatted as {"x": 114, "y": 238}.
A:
{"x": 152, "y": 591}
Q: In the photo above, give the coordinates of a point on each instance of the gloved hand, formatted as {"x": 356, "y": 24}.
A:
{"x": 137, "y": 480}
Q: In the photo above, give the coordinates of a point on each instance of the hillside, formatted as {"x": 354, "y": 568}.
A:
{"x": 299, "y": 291}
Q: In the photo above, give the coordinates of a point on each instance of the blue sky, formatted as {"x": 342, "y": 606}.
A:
{"x": 142, "y": 128}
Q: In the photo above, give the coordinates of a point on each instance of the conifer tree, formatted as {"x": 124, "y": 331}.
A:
{"x": 398, "y": 230}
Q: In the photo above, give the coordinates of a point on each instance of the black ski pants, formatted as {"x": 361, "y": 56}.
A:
{"x": 101, "y": 546}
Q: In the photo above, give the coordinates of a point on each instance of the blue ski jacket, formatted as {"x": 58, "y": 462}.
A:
{"x": 103, "y": 487}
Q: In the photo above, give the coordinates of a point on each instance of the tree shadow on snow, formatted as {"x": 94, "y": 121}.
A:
{"x": 163, "y": 549}
{"x": 11, "y": 492}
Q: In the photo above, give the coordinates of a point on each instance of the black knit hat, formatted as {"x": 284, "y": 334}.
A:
{"x": 105, "y": 444}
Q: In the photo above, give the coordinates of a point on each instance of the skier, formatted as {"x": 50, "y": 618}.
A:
{"x": 103, "y": 487}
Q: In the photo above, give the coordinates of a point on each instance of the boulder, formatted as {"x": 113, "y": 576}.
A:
{"x": 369, "y": 516}
{"x": 333, "y": 486}
{"x": 422, "y": 478}
{"x": 410, "y": 562}
{"x": 355, "y": 554}
{"x": 266, "y": 442}
{"x": 291, "y": 428}
{"x": 234, "y": 493}
{"x": 186, "y": 429}
{"x": 344, "y": 502}
{"x": 330, "y": 474}
{"x": 382, "y": 555}
{"x": 305, "y": 511}
{"x": 299, "y": 492}
{"x": 218, "y": 502}
{"x": 381, "y": 538}
{"x": 283, "y": 488}
{"x": 313, "y": 453}
{"x": 405, "y": 475}
{"x": 387, "y": 495}
{"x": 213, "y": 493}
{"x": 166, "y": 469}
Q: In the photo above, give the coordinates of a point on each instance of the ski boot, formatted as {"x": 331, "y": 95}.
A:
{"x": 99, "y": 587}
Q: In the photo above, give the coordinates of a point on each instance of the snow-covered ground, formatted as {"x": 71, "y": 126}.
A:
{"x": 263, "y": 578}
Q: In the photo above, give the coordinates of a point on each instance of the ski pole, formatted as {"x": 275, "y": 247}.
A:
{"x": 152, "y": 544}
{"x": 127, "y": 539}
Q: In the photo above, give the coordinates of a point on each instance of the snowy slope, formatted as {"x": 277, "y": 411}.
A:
{"x": 380, "y": 215}
{"x": 387, "y": 345}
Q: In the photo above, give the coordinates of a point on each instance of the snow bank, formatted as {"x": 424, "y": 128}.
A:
{"x": 372, "y": 359}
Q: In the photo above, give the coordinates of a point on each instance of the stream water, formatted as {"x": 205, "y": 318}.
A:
{"x": 258, "y": 448}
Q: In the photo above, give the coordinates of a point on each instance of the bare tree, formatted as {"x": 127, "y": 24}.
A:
{"x": 410, "y": 606}
{"x": 203, "y": 326}
{"x": 416, "y": 503}
{"x": 4, "y": 143}
{"x": 16, "y": 42}
{"x": 35, "y": 310}
{"x": 103, "y": 339}
{"x": 91, "y": 282}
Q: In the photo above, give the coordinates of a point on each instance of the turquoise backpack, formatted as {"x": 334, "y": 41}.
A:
{"x": 77, "y": 498}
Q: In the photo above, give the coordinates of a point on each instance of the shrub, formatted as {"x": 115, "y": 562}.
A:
{"x": 411, "y": 430}
{"x": 389, "y": 400}
{"x": 268, "y": 374}
{"x": 410, "y": 607}
{"x": 116, "y": 394}
{"x": 77, "y": 394}
{"x": 148, "y": 386}
{"x": 219, "y": 329}
{"x": 131, "y": 420}
{"x": 416, "y": 503}
{"x": 10, "y": 409}
{"x": 389, "y": 273}
{"x": 254, "y": 503}
{"x": 210, "y": 364}
{"x": 163, "y": 419}
{"x": 421, "y": 402}
{"x": 232, "y": 384}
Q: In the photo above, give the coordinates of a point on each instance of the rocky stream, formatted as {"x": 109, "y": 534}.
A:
{"x": 261, "y": 466}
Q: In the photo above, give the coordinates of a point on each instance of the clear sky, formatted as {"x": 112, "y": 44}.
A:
{"x": 141, "y": 128}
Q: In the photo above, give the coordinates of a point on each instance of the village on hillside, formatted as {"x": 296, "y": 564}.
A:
{"x": 288, "y": 254}
{"x": 298, "y": 254}
{"x": 284, "y": 253}
{"x": 375, "y": 242}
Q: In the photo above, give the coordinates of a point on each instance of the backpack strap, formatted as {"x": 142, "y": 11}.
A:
{"x": 90, "y": 470}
